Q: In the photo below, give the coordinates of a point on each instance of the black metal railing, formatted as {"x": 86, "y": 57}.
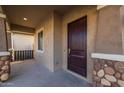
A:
{"x": 23, "y": 55}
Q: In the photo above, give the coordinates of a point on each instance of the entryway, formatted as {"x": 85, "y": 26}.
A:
{"x": 77, "y": 46}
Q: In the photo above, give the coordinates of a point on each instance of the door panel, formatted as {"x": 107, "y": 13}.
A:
{"x": 77, "y": 46}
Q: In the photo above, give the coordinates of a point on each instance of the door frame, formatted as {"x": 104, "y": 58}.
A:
{"x": 69, "y": 71}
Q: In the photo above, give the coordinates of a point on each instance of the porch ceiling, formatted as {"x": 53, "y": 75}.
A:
{"x": 34, "y": 14}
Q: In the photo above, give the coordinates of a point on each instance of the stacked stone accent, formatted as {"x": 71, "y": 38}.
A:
{"x": 4, "y": 68}
{"x": 108, "y": 73}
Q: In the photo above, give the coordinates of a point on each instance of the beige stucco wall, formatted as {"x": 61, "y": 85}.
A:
{"x": 3, "y": 43}
{"x": 1, "y": 9}
{"x": 3, "y": 46}
{"x": 51, "y": 56}
{"x": 77, "y": 13}
{"x": 122, "y": 25}
{"x": 3, "y": 33}
{"x": 22, "y": 41}
{"x": 109, "y": 35}
{"x": 45, "y": 57}
{"x": 57, "y": 41}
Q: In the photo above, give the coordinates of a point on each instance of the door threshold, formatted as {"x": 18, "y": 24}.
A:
{"x": 77, "y": 75}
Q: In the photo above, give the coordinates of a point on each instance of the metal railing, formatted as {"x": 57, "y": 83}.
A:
{"x": 20, "y": 55}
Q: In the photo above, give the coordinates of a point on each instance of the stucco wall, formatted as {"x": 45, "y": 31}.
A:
{"x": 9, "y": 40}
{"x": 109, "y": 35}
{"x": 1, "y": 9}
{"x": 3, "y": 43}
{"x": 45, "y": 57}
{"x": 77, "y": 13}
{"x": 23, "y": 42}
{"x": 3, "y": 32}
{"x": 57, "y": 41}
{"x": 51, "y": 56}
{"x": 122, "y": 25}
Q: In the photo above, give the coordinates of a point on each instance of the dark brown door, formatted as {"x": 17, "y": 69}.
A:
{"x": 77, "y": 46}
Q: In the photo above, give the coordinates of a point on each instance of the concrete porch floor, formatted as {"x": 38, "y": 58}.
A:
{"x": 30, "y": 74}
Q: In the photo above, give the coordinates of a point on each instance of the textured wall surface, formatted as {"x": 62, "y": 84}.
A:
{"x": 108, "y": 73}
{"x": 109, "y": 40}
{"x": 3, "y": 46}
{"x": 109, "y": 34}
{"x": 51, "y": 56}
{"x": 57, "y": 41}
{"x": 45, "y": 57}
{"x": 4, "y": 68}
{"x": 9, "y": 40}
{"x": 23, "y": 42}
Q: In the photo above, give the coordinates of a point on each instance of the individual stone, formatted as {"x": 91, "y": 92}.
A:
{"x": 121, "y": 83}
{"x": 114, "y": 84}
{"x": 109, "y": 70}
{"x": 1, "y": 72}
{"x": 1, "y": 63}
{"x": 119, "y": 66}
{"x": 6, "y": 71}
{"x": 5, "y": 67}
{"x": 110, "y": 63}
{"x": 105, "y": 65}
{"x": 110, "y": 78}
{"x": 6, "y": 62}
{"x": 100, "y": 73}
{"x": 105, "y": 82}
{"x": 4, "y": 58}
{"x": 117, "y": 75}
{"x": 97, "y": 79}
{"x": 94, "y": 72}
{"x": 4, "y": 77}
{"x": 97, "y": 66}
{"x": 122, "y": 77}
{"x": 102, "y": 62}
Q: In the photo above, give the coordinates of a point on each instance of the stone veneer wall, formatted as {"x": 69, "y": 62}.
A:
{"x": 4, "y": 68}
{"x": 108, "y": 73}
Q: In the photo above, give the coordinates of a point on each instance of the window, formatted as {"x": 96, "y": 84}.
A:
{"x": 40, "y": 40}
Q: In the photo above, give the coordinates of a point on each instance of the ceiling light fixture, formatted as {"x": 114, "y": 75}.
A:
{"x": 25, "y": 19}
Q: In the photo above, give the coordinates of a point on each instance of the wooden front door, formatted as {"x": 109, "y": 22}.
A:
{"x": 77, "y": 46}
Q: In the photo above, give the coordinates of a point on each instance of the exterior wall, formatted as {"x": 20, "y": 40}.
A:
{"x": 1, "y": 10}
{"x": 51, "y": 56}
{"x": 45, "y": 57}
{"x": 4, "y": 56}
{"x": 74, "y": 14}
{"x": 9, "y": 40}
{"x": 3, "y": 43}
{"x": 109, "y": 35}
{"x": 122, "y": 25}
{"x": 109, "y": 40}
{"x": 108, "y": 73}
{"x": 96, "y": 36}
{"x": 57, "y": 41}
{"x": 4, "y": 68}
{"x": 23, "y": 42}
{"x": 4, "y": 27}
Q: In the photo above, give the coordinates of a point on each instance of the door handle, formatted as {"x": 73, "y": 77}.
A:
{"x": 69, "y": 50}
